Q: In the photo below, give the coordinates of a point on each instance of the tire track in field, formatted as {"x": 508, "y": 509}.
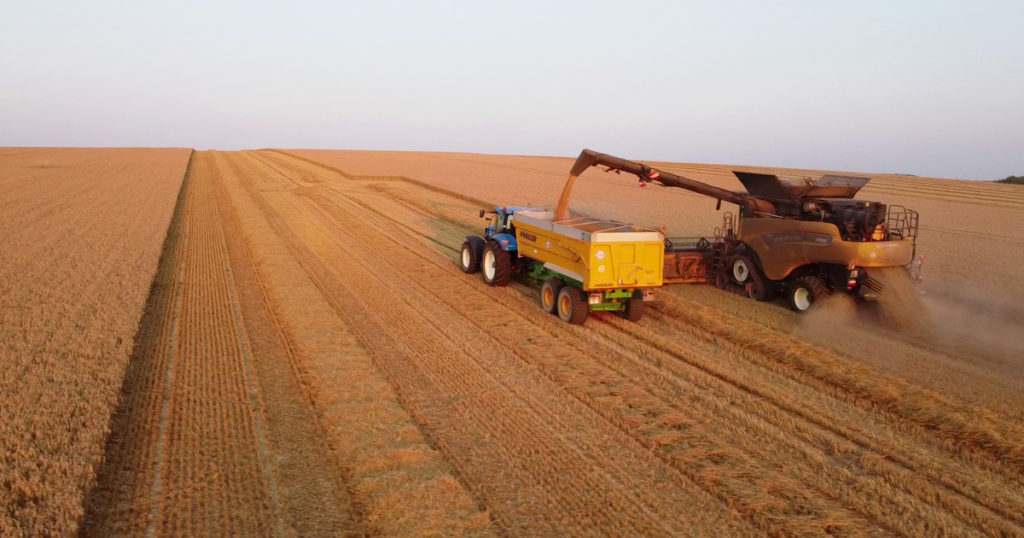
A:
{"x": 313, "y": 489}
{"x": 993, "y": 516}
{"x": 539, "y": 458}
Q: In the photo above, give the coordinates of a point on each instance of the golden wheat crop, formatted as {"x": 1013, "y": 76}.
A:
{"x": 80, "y": 236}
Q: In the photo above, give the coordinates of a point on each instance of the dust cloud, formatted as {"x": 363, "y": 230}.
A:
{"x": 970, "y": 326}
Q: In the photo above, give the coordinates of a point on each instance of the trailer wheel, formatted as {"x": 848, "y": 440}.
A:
{"x": 572, "y": 306}
{"x": 803, "y": 291}
{"x": 549, "y": 295}
{"x": 469, "y": 260}
{"x": 634, "y": 307}
{"x": 496, "y": 265}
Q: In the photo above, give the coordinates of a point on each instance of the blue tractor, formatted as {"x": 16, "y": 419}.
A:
{"x": 496, "y": 254}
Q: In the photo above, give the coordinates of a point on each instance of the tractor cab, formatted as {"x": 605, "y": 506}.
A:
{"x": 503, "y": 222}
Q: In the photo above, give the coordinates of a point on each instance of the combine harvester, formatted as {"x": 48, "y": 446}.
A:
{"x": 804, "y": 239}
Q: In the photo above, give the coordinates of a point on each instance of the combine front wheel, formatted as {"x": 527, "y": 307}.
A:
{"x": 741, "y": 266}
{"x": 746, "y": 273}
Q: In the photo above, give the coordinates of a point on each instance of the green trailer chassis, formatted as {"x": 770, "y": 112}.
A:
{"x": 611, "y": 300}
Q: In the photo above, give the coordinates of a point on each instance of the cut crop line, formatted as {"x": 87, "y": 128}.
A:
{"x": 161, "y": 437}
{"x": 252, "y": 388}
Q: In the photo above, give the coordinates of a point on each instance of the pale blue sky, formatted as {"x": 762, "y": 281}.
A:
{"x": 928, "y": 88}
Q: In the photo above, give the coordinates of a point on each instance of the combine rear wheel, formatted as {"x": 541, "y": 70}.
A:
{"x": 549, "y": 295}
{"x": 634, "y": 307}
{"x": 572, "y": 305}
{"x": 496, "y": 265}
{"x": 469, "y": 259}
{"x": 804, "y": 291}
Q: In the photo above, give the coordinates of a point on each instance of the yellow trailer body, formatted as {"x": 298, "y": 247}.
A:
{"x": 600, "y": 254}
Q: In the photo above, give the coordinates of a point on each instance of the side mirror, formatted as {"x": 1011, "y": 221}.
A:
{"x": 482, "y": 211}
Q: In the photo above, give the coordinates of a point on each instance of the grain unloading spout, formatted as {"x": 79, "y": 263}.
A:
{"x": 646, "y": 173}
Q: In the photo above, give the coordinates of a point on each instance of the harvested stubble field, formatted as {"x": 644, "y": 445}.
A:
{"x": 312, "y": 361}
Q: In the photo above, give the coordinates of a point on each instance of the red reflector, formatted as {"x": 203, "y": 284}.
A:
{"x": 653, "y": 174}
{"x": 504, "y": 241}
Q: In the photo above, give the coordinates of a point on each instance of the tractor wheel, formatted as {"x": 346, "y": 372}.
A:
{"x": 746, "y": 273}
{"x": 549, "y": 295}
{"x": 496, "y": 265}
{"x": 572, "y": 305}
{"x": 469, "y": 259}
{"x": 804, "y": 291}
{"x": 634, "y": 307}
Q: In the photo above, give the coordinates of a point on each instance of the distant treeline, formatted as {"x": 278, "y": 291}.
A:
{"x": 1016, "y": 180}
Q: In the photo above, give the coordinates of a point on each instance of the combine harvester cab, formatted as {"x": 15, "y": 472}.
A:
{"x": 583, "y": 264}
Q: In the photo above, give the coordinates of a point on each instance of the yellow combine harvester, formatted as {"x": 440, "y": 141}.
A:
{"x": 799, "y": 237}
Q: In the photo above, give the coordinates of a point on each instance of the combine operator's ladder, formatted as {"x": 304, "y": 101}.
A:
{"x": 720, "y": 250}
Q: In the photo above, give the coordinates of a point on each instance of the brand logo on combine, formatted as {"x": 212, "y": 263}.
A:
{"x": 796, "y": 237}
{"x": 528, "y": 236}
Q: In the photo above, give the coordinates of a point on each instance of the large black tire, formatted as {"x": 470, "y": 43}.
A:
{"x": 634, "y": 307}
{"x": 572, "y": 305}
{"x": 496, "y": 265}
{"x": 802, "y": 292}
{"x": 549, "y": 295}
{"x": 469, "y": 260}
{"x": 746, "y": 273}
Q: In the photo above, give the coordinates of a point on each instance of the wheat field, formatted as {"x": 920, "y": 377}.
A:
{"x": 310, "y": 360}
